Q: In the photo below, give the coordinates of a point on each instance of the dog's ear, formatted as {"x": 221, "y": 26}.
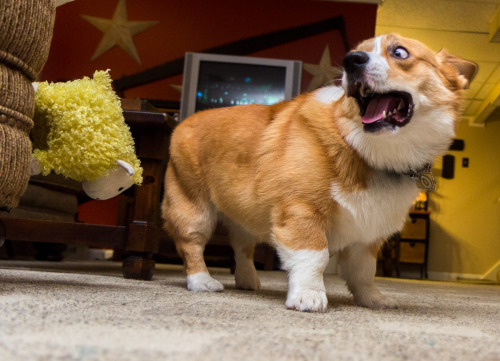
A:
{"x": 467, "y": 70}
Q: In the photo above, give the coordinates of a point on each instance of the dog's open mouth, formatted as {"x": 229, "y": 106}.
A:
{"x": 387, "y": 110}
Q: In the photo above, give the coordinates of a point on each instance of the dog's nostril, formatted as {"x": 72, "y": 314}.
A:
{"x": 355, "y": 60}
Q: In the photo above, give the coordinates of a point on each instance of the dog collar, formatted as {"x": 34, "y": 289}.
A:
{"x": 424, "y": 178}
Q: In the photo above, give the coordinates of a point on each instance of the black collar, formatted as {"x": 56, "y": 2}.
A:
{"x": 417, "y": 173}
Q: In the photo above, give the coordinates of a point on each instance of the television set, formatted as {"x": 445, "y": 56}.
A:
{"x": 215, "y": 81}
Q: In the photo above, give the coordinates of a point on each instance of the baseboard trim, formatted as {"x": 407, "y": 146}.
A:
{"x": 452, "y": 276}
{"x": 493, "y": 273}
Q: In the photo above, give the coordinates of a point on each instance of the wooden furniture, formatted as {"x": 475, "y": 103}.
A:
{"x": 408, "y": 246}
{"x": 412, "y": 243}
{"x": 139, "y": 236}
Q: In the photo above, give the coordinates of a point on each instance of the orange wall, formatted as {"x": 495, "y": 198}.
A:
{"x": 188, "y": 26}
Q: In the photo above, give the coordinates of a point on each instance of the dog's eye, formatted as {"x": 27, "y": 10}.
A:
{"x": 400, "y": 53}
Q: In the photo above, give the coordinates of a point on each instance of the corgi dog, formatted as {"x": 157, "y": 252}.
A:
{"x": 334, "y": 171}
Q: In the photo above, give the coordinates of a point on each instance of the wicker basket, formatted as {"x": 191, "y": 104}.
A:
{"x": 25, "y": 33}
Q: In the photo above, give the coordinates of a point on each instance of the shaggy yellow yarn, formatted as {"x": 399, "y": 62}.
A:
{"x": 80, "y": 131}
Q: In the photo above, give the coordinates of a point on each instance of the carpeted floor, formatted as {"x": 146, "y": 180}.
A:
{"x": 87, "y": 311}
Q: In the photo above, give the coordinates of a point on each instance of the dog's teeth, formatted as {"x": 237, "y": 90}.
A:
{"x": 384, "y": 115}
{"x": 401, "y": 104}
{"x": 394, "y": 112}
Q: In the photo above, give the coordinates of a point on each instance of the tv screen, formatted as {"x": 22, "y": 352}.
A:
{"x": 226, "y": 84}
{"x": 215, "y": 81}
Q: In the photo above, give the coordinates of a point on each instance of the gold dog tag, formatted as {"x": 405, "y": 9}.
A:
{"x": 427, "y": 182}
{"x": 424, "y": 178}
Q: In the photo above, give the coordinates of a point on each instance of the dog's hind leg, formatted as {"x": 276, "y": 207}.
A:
{"x": 191, "y": 222}
{"x": 243, "y": 244}
{"x": 357, "y": 266}
{"x": 191, "y": 249}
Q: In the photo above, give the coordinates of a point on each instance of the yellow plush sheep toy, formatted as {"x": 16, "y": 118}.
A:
{"x": 80, "y": 132}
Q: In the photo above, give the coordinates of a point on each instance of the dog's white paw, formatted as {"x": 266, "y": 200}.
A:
{"x": 308, "y": 300}
{"x": 203, "y": 282}
{"x": 375, "y": 300}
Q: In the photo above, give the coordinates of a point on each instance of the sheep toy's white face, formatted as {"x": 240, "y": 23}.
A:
{"x": 116, "y": 181}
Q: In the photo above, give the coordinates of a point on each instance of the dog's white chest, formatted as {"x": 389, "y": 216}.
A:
{"x": 372, "y": 213}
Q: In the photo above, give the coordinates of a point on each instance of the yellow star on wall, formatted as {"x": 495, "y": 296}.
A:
{"x": 118, "y": 31}
{"x": 324, "y": 72}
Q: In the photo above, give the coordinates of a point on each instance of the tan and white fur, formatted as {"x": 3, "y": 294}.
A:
{"x": 309, "y": 177}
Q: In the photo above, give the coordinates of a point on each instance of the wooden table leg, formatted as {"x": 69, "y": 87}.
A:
{"x": 2, "y": 233}
{"x": 142, "y": 231}
{"x": 152, "y": 138}
{"x": 142, "y": 234}
{"x": 138, "y": 267}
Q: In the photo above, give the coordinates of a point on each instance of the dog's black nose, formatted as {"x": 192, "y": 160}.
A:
{"x": 355, "y": 60}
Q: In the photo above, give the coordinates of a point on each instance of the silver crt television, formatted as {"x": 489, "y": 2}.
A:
{"x": 216, "y": 81}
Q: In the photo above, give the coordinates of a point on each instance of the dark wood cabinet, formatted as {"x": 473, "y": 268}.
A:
{"x": 412, "y": 244}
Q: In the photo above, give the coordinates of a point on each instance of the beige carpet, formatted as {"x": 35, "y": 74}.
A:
{"x": 87, "y": 311}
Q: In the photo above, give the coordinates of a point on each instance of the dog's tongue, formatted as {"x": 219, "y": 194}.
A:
{"x": 376, "y": 108}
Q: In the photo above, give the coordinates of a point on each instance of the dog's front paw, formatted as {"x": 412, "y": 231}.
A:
{"x": 203, "y": 282}
{"x": 375, "y": 300}
{"x": 308, "y": 300}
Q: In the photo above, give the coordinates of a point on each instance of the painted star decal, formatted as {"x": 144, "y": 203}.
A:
{"x": 118, "y": 31}
{"x": 322, "y": 73}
